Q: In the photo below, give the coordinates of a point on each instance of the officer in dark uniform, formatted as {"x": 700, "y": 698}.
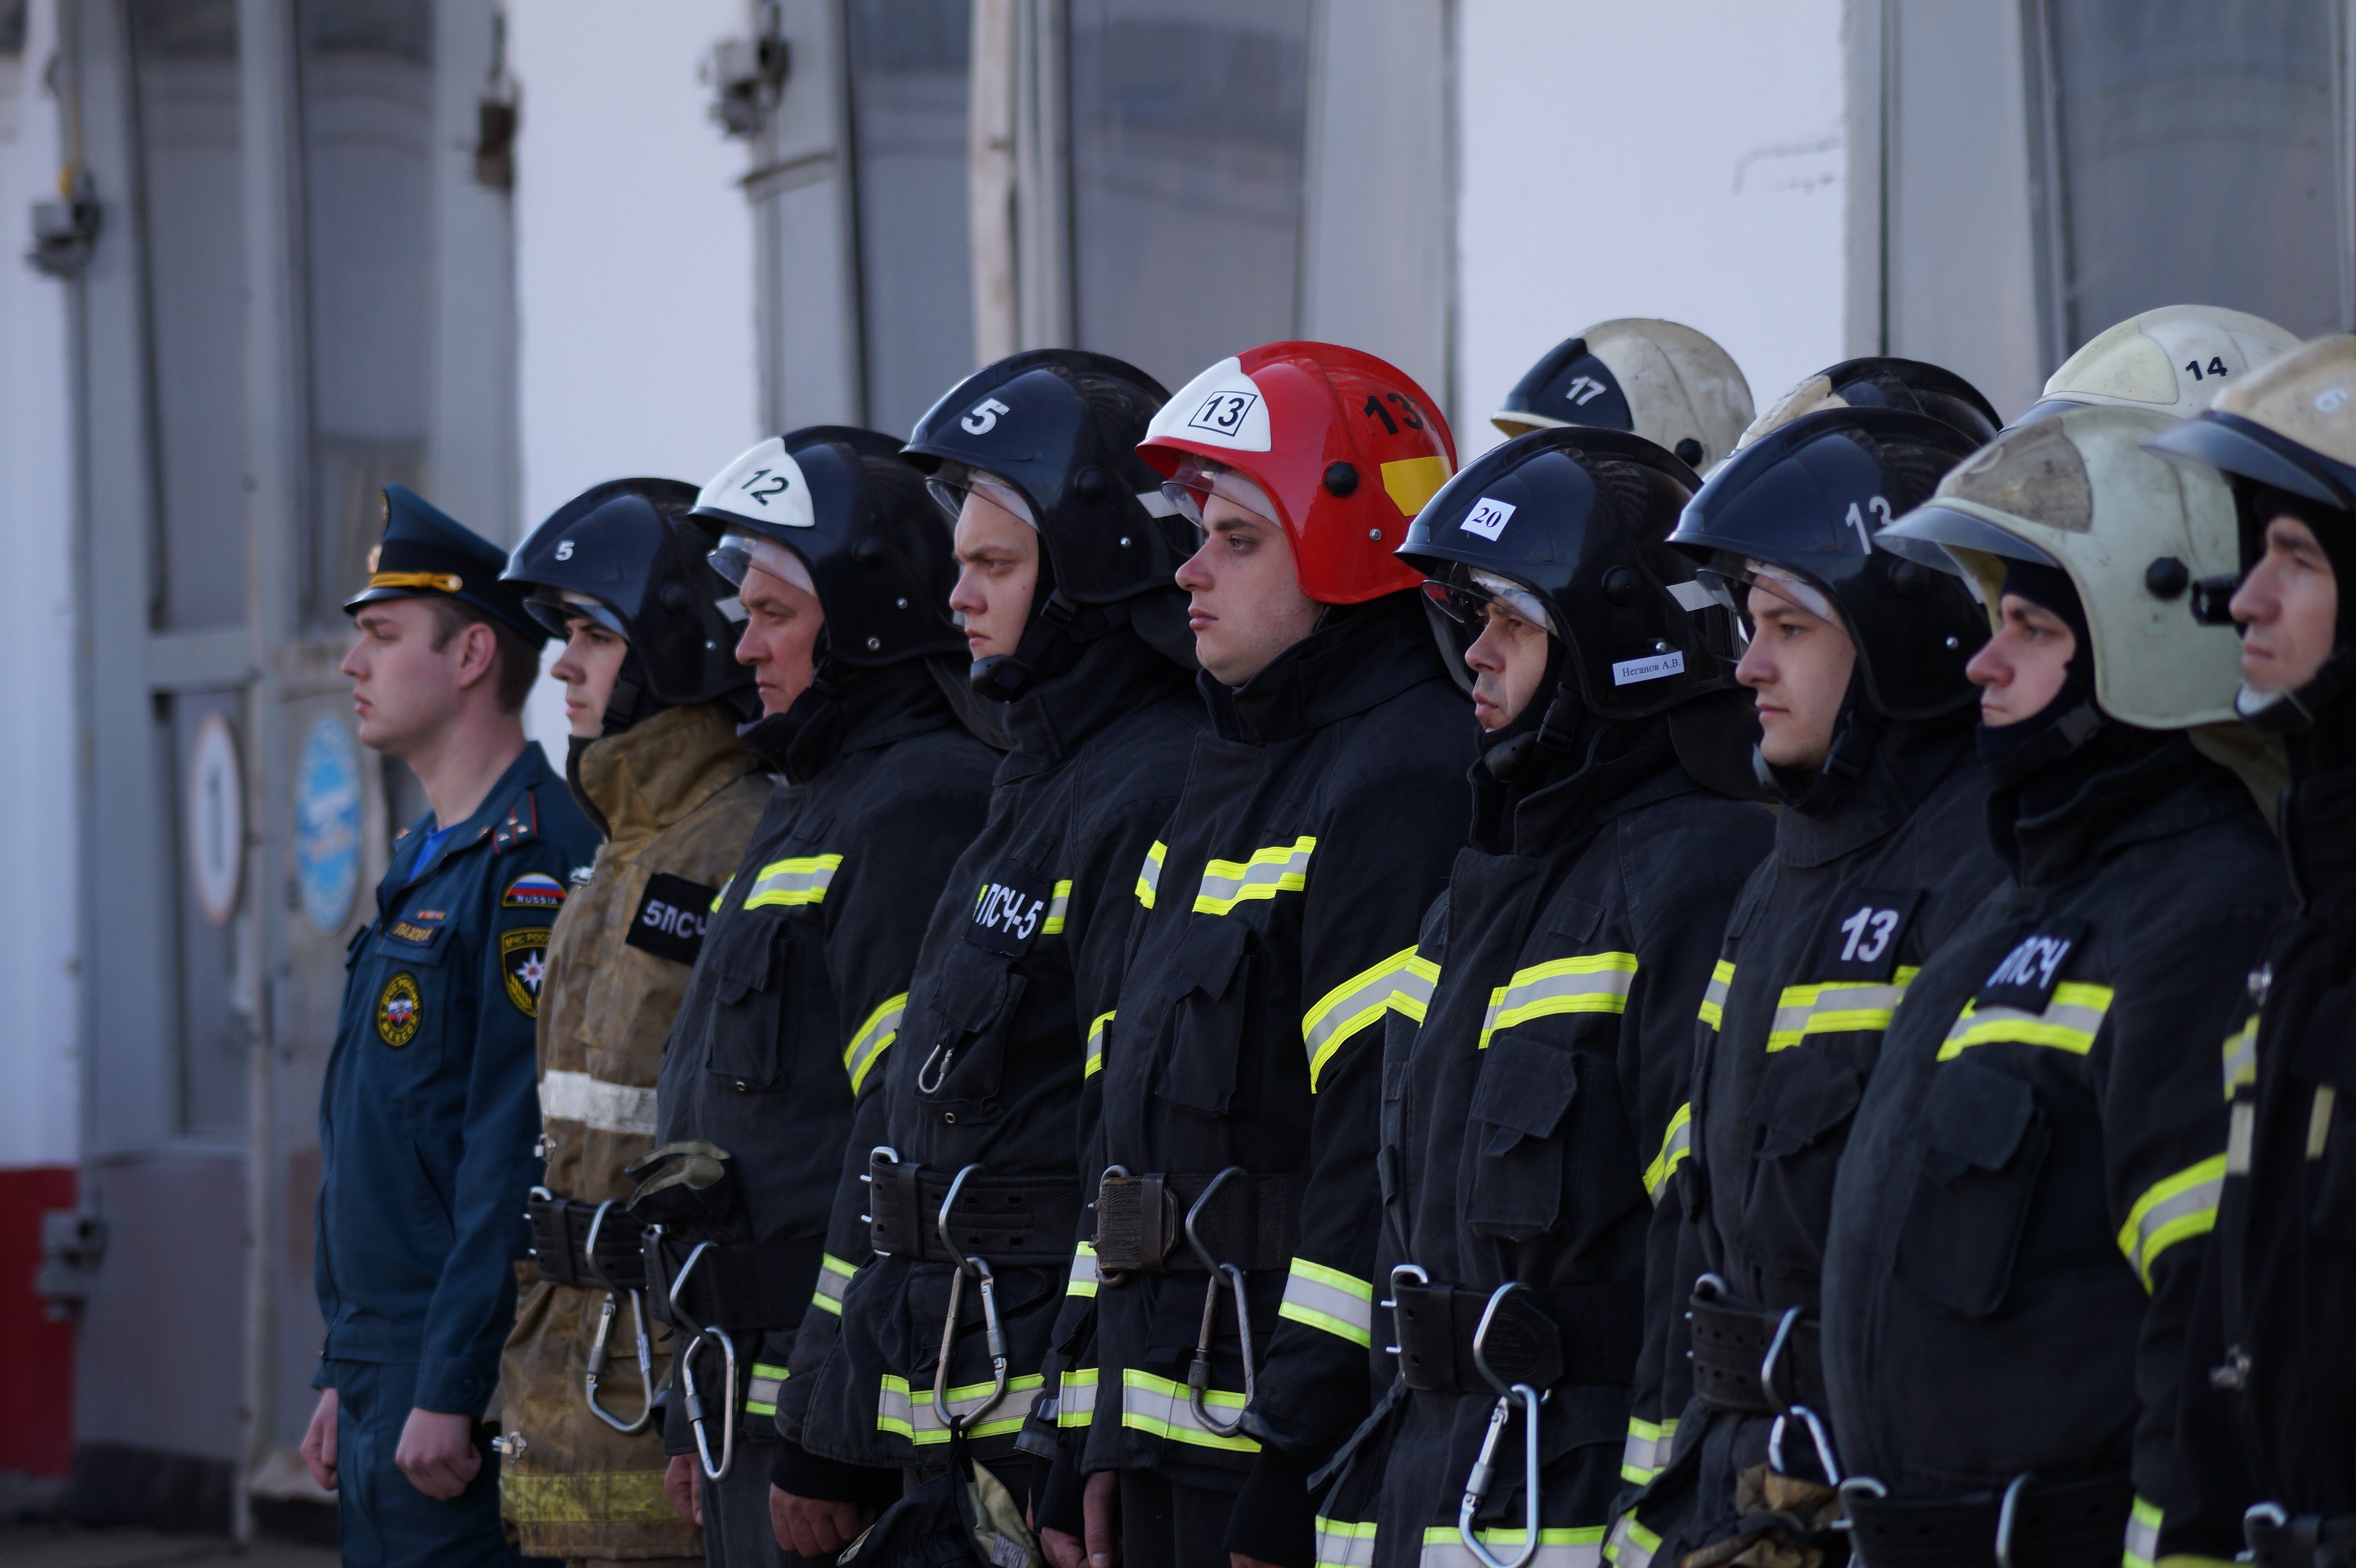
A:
{"x": 803, "y": 979}
{"x": 2017, "y": 1225}
{"x": 428, "y": 1113}
{"x": 2269, "y": 1423}
{"x": 1856, "y": 657}
{"x": 1535, "y": 1068}
{"x": 1080, "y": 639}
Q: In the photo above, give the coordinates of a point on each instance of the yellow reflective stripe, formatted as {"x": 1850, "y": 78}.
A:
{"x": 1630, "y": 1544}
{"x": 2068, "y": 1023}
{"x": 1591, "y": 983}
{"x": 1341, "y": 1012}
{"x": 1580, "y": 1546}
{"x": 873, "y": 1039}
{"x": 2183, "y": 1205}
{"x": 1094, "y": 1063}
{"x": 1279, "y": 869}
{"x": 1056, "y": 906}
{"x": 1344, "y": 1542}
{"x": 761, "y": 1389}
{"x": 1084, "y": 1278}
{"x": 597, "y": 1497}
{"x": 1647, "y": 1454}
{"x": 1835, "y": 1006}
{"x": 1676, "y": 1144}
{"x": 1713, "y": 995}
{"x": 1412, "y": 991}
{"x": 912, "y": 1417}
{"x": 2318, "y": 1119}
{"x": 1075, "y": 1397}
{"x": 802, "y": 879}
{"x": 1160, "y": 1409}
{"x": 2143, "y": 1533}
{"x": 723, "y": 892}
{"x": 2242, "y": 1056}
{"x": 2242, "y": 1128}
{"x": 833, "y": 1284}
{"x": 1149, "y": 876}
{"x": 1341, "y": 1304}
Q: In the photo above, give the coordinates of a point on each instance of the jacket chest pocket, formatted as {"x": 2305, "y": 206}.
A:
{"x": 1526, "y": 1090}
{"x": 1803, "y": 1101}
{"x": 1209, "y": 989}
{"x": 770, "y": 994}
{"x": 409, "y": 983}
{"x": 973, "y": 1005}
{"x": 1985, "y": 1143}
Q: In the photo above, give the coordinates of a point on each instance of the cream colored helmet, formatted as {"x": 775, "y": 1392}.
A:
{"x": 1882, "y": 382}
{"x": 2176, "y": 359}
{"x": 1665, "y": 382}
{"x": 2077, "y": 490}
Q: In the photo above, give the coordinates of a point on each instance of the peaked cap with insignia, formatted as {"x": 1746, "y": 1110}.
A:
{"x": 426, "y": 551}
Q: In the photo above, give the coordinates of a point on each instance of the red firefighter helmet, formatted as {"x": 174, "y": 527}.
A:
{"x": 1337, "y": 447}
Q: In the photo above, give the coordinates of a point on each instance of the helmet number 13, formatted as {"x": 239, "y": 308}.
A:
{"x": 1880, "y": 509}
{"x": 1374, "y": 410}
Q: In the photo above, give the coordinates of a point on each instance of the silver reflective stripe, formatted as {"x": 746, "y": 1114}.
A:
{"x": 1056, "y": 909}
{"x": 1075, "y": 1397}
{"x": 911, "y": 1415}
{"x": 1630, "y": 1544}
{"x": 1350, "y": 1006}
{"x": 2241, "y": 1134}
{"x": 2183, "y": 1205}
{"x": 1647, "y": 1451}
{"x": 2242, "y": 1056}
{"x": 1676, "y": 1144}
{"x": 761, "y": 1391}
{"x": 1835, "y": 1006}
{"x": 1279, "y": 869}
{"x": 1094, "y": 1046}
{"x": 1084, "y": 1278}
{"x": 1713, "y": 995}
{"x": 802, "y": 879}
{"x": 608, "y": 1107}
{"x": 2069, "y": 1022}
{"x": 1411, "y": 991}
{"x": 2142, "y": 1534}
{"x": 1346, "y": 1544}
{"x": 1591, "y": 983}
{"x": 1322, "y": 1297}
{"x": 1574, "y": 1548}
{"x": 833, "y": 1284}
{"x": 873, "y": 1039}
{"x": 1160, "y": 1407}
{"x": 1149, "y": 875}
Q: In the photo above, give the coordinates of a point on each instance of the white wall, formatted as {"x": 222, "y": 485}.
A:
{"x": 1683, "y": 158}
{"x": 38, "y": 1090}
{"x": 634, "y": 257}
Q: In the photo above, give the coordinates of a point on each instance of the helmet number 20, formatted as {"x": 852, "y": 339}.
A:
{"x": 1856, "y": 519}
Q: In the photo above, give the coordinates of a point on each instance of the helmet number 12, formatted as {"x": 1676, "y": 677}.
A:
{"x": 762, "y": 495}
{"x": 1856, "y": 519}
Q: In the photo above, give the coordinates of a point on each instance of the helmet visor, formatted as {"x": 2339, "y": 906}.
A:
{"x": 558, "y": 608}
{"x": 1929, "y": 535}
{"x": 740, "y": 552}
{"x": 1732, "y": 579}
{"x": 1191, "y": 489}
{"x": 954, "y": 482}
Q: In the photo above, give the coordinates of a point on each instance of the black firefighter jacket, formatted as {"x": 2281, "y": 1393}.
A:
{"x": 1281, "y": 909}
{"x": 1012, "y": 992}
{"x": 803, "y": 981}
{"x": 1526, "y": 1111}
{"x": 2018, "y": 1225}
{"x": 2271, "y": 1337}
{"x": 1829, "y": 932}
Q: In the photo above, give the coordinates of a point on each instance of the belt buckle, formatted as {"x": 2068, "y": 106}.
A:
{"x": 1137, "y": 1223}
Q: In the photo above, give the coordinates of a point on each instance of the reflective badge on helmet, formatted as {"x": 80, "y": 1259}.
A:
{"x": 523, "y": 962}
{"x": 1221, "y": 407}
{"x": 538, "y": 890}
{"x": 1627, "y": 672}
{"x": 2029, "y": 972}
{"x": 1009, "y": 911}
{"x": 1488, "y": 518}
{"x": 671, "y": 918}
{"x": 397, "y": 1010}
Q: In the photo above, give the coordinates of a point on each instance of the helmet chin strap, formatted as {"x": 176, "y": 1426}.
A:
{"x": 1002, "y": 678}
{"x": 2288, "y": 713}
{"x": 1554, "y": 735}
{"x": 631, "y": 699}
{"x": 1857, "y": 732}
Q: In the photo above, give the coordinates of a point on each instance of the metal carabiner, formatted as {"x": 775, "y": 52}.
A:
{"x": 1391, "y": 1307}
{"x": 1198, "y": 1371}
{"x": 2007, "y": 1514}
{"x": 944, "y": 1053}
{"x": 696, "y": 1417}
{"x": 1856, "y": 1487}
{"x": 1476, "y": 1485}
{"x": 993, "y": 1335}
{"x": 678, "y": 1281}
{"x": 1817, "y": 1434}
{"x": 597, "y": 1359}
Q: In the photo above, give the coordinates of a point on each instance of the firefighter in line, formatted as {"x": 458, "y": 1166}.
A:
{"x": 1855, "y": 657}
{"x": 1536, "y": 1060}
{"x": 2017, "y": 1225}
{"x": 1279, "y": 909}
{"x": 426, "y": 1118}
{"x": 810, "y": 942}
{"x": 1659, "y": 380}
{"x": 970, "y": 1178}
{"x": 2268, "y": 1444}
{"x": 652, "y": 695}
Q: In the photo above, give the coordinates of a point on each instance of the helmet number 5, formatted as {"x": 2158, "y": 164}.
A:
{"x": 984, "y": 417}
{"x": 564, "y": 550}
{"x": 1856, "y": 519}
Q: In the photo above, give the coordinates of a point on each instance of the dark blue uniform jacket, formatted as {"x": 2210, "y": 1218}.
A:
{"x": 428, "y": 1116}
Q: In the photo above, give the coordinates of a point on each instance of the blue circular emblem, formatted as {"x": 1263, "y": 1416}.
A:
{"x": 327, "y": 817}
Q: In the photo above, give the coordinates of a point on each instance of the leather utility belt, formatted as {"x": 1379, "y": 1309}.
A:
{"x": 2027, "y": 1524}
{"x": 1436, "y": 1325}
{"x": 742, "y": 1287}
{"x": 1168, "y": 1225}
{"x": 1006, "y": 1219}
{"x": 2309, "y": 1541}
{"x": 1754, "y": 1361}
{"x": 592, "y": 1246}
